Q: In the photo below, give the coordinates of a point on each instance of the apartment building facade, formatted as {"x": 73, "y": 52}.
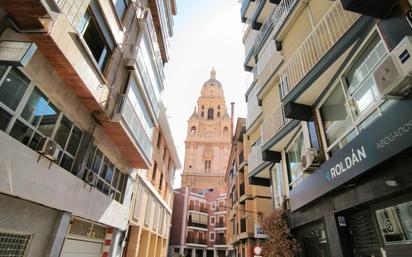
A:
{"x": 329, "y": 120}
{"x": 199, "y": 223}
{"x": 247, "y": 204}
{"x": 80, "y": 100}
{"x": 152, "y": 202}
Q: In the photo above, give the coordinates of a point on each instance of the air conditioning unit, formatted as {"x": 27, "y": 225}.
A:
{"x": 394, "y": 75}
{"x": 90, "y": 177}
{"x": 48, "y": 148}
{"x": 309, "y": 160}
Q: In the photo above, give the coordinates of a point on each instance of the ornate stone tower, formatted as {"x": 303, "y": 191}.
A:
{"x": 208, "y": 139}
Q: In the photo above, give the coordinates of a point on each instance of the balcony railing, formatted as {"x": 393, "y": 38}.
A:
{"x": 253, "y": 108}
{"x": 273, "y": 124}
{"x": 196, "y": 224}
{"x": 266, "y": 70}
{"x": 220, "y": 241}
{"x": 220, "y": 225}
{"x": 255, "y": 158}
{"x": 198, "y": 209}
{"x": 326, "y": 33}
{"x": 220, "y": 209}
{"x": 196, "y": 240}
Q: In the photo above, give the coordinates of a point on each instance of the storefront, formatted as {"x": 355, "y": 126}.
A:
{"x": 359, "y": 202}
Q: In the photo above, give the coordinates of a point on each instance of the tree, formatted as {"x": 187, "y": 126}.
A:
{"x": 280, "y": 242}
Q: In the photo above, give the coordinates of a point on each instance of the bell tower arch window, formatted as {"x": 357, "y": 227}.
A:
{"x": 210, "y": 114}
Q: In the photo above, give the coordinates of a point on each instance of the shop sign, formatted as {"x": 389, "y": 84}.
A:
{"x": 259, "y": 233}
{"x": 388, "y": 135}
{"x": 17, "y": 53}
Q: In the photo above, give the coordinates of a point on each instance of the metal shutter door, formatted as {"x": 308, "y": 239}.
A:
{"x": 80, "y": 248}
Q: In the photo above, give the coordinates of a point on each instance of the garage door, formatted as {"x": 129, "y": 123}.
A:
{"x": 80, "y": 248}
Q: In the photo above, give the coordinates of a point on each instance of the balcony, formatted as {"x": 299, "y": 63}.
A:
{"x": 198, "y": 209}
{"x": 220, "y": 240}
{"x": 255, "y": 161}
{"x": 275, "y": 21}
{"x": 220, "y": 209}
{"x": 273, "y": 124}
{"x": 266, "y": 70}
{"x": 241, "y": 157}
{"x": 324, "y": 36}
{"x": 253, "y": 108}
{"x": 196, "y": 240}
{"x": 196, "y": 225}
{"x": 247, "y": 9}
{"x": 140, "y": 134}
{"x": 220, "y": 225}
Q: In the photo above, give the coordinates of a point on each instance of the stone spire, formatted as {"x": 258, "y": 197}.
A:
{"x": 213, "y": 73}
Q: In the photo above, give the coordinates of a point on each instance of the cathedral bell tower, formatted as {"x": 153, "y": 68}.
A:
{"x": 208, "y": 139}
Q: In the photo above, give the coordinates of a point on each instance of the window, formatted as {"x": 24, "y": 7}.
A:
{"x": 277, "y": 184}
{"x": 161, "y": 181}
{"x": 218, "y": 114}
{"x": 395, "y": 223}
{"x": 193, "y": 130}
{"x": 202, "y": 114}
{"x": 210, "y": 114}
{"x": 110, "y": 180}
{"x": 212, "y": 220}
{"x": 208, "y": 164}
{"x": 218, "y": 107}
{"x": 213, "y": 205}
{"x": 120, "y": 6}
{"x": 14, "y": 244}
{"x": 159, "y": 140}
{"x": 137, "y": 102}
{"x": 203, "y": 107}
{"x": 351, "y": 105}
{"x": 212, "y": 236}
{"x": 36, "y": 117}
{"x": 95, "y": 33}
{"x": 294, "y": 161}
{"x": 154, "y": 172}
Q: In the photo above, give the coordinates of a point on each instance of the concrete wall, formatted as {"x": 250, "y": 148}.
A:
{"x": 21, "y": 216}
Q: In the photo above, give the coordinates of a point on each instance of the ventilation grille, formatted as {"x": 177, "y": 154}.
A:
{"x": 14, "y": 245}
{"x": 364, "y": 234}
{"x": 87, "y": 229}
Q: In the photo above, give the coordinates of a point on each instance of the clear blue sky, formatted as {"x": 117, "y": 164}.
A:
{"x": 207, "y": 33}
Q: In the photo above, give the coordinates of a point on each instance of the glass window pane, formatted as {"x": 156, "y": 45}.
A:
{"x": 21, "y": 132}
{"x": 3, "y": 69}
{"x": 99, "y": 185}
{"x": 83, "y": 22}
{"x": 49, "y": 120}
{"x": 120, "y": 6}
{"x": 97, "y": 161}
{"x": 67, "y": 162}
{"x": 35, "y": 141}
{"x": 91, "y": 156}
{"x": 74, "y": 141}
{"x": 106, "y": 189}
{"x": 35, "y": 107}
{"x": 104, "y": 169}
{"x": 115, "y": 178}
{"x": 109, "y": 173}
{"x": 119, "y": 186}
{"x": 63, "y": 131}
{"x": 13, "y": 88}
{"x": 334, "y": 115}
{"x": 395, "y": 223}
{"x": 5, "y": 118}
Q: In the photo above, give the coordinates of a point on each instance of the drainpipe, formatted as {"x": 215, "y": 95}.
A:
{"x": 232, "y": 112}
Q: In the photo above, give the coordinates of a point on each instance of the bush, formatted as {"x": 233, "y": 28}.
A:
{"x": 280, "y": 242}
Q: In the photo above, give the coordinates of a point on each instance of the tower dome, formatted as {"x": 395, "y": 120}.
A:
{"x": 212, "y": 80}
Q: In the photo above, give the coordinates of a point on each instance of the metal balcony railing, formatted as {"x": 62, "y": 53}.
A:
{"x": 196, "y": 240}
{"x": 255, "y": 158}
{"x": 198, "y": 208}
{"x": 273, "y": 124}
{"x": 220, "y": 225}
{"x": 220, "y": 209}
{"x": 326, "y": 33}
{"x": 220, "y": 241}
{"x": 196, "y": 224}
